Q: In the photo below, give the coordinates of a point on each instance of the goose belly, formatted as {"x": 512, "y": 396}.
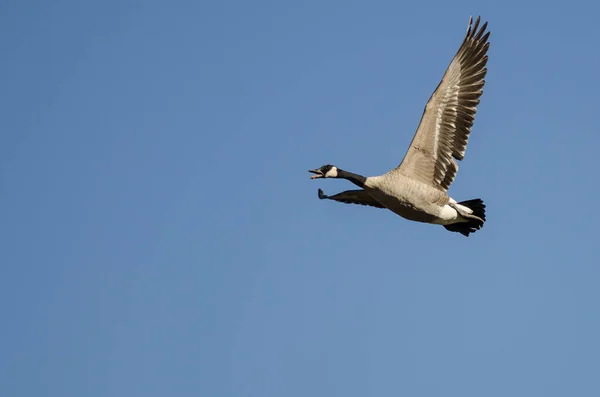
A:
{"x": 410, "y": 199}
{"x": 407, "y": 209}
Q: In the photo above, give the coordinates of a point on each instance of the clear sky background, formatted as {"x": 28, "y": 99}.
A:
{"x": 160, "y": 235}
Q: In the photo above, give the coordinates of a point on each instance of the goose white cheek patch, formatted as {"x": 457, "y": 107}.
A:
{"x": 332, "y": 173}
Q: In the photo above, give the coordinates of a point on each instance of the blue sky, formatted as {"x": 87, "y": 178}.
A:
{"x": 161, "y": 236}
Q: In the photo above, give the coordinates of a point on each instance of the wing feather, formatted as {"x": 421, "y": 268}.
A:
{"x": 359, "y": 196}
{"x": 446, "y": 123}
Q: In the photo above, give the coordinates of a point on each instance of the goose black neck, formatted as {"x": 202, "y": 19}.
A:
{"x": 358, "y": 180}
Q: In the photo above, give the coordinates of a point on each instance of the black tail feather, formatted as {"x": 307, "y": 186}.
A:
{"x": 472, "y": 224}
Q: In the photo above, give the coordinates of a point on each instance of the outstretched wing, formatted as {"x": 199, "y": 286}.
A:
{"x": 443, "y": 132}
{"x": 352, "y": 197}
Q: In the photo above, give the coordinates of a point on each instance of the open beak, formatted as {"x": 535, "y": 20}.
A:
{"x": 318, "y": 174}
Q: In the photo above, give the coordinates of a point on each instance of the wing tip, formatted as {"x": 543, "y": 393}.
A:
{"x": 475, "y": 31}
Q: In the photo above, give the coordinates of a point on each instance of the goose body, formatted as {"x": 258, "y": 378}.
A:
{"x": 410, "y": 199}
{"x": 417, "y": 189}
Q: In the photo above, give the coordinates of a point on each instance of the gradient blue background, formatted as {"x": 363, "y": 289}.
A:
{"x": 160, "y": 235}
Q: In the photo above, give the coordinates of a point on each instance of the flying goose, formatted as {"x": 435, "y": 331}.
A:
{"x": 417, "y": 188}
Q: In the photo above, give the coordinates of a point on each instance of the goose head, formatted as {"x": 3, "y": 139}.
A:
{"x": 326, "y": 171}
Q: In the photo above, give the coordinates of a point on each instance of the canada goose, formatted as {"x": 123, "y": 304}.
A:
{"x": 417, "y": 188}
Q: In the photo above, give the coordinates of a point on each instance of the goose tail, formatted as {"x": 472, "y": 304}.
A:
{"x": 474, "y": 221}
